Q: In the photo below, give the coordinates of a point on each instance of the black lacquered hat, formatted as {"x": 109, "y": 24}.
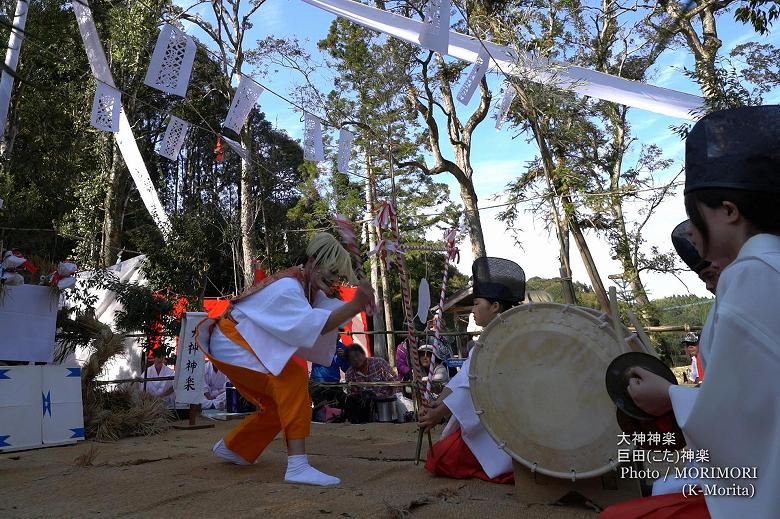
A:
{"x": 686, "y": 250}
{"x": 737, "y": 148}
{"x": 498, "y": 278}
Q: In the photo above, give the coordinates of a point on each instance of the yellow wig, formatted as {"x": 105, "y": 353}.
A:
{"x": 329, "y": 255}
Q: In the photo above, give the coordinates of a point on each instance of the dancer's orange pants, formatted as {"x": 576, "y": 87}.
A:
{"x": 282, "y": 401}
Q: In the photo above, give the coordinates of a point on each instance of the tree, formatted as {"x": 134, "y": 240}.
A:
{"x": 232, "y": 20}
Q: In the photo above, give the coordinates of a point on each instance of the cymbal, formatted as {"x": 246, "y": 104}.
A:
{"x": 617, "y": 379}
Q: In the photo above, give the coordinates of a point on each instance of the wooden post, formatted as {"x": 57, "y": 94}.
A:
{"x": 193, "y": 421}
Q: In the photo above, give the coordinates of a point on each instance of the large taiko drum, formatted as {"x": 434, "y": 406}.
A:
{"x": 537, "y": 382}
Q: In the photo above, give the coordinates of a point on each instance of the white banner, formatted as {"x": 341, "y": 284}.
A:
{"x": 124, "y": 137}
{"x": 502, "y": 109}
{"x": 242, "y": 152}
{"x": 312, "y": 138}
{"x": 477, "y": 72}
{"x": 174, "y": 137}
{"x": 244, "y": 100}
{"x": 105, "y": 108}
{"x": 578, "y": 79}
{"x": 435, "y": 34}
{"x": 171, "y": 64}
{"x": 345, "y": 150}
{"x": 188, "y": 378}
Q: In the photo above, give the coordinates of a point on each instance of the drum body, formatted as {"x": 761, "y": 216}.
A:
{"x": 536, "y": 380}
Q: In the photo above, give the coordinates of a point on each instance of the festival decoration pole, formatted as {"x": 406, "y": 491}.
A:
{"x": 452, "y": 254}
{"x": 386, "y": 217}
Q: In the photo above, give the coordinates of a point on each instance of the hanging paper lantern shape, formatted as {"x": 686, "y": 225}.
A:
{"x": 174, "y": 137}
{"x": 105, "y": 108}
{"x": 171, "y": 65}
{"x": 243, "y": 101}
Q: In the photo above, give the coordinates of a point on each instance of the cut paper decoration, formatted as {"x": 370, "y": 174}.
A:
{"x": 242, "y": 152}
{"x": 577, "y": 79}
{"x": 105, "y": 108}
{"x": 312, "y": 138}
{"x": 423, "y": 300}
{"x": 435, "y": 34}
{"x": 503, "y": 107}
{"x": 124, "y": 137}
{"x": 174, "y": 137}
{"x": 345, "y": 150}
{"x": 476, "y": 74}
{"x": 171, "y": 65}
{"x": 244, "y": 100}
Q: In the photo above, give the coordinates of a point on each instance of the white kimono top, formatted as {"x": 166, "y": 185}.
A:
{"x": 278, "y": 322}
{"x": 157, "y": 388}
{"x": 214, "y": 386}
{"x": 493, "y": 460}
{"x": 735, "y": 413}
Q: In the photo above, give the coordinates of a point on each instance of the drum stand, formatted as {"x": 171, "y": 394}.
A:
{"x": 532, "y": 487}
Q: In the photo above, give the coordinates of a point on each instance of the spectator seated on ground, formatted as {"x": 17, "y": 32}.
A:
{"x": 440, "y": 372}
{"x": 160, "y": 388}
{"x": 326, "y": 399}
{"x": 359, "y": 405}
{"x": 213, "y": 388}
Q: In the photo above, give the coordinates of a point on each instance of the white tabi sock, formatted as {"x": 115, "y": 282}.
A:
{"x": 221, "y": 451}
{"x": 299, "y": 471}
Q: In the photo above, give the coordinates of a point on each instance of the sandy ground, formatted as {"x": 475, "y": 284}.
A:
{"x": 175, "y": 475}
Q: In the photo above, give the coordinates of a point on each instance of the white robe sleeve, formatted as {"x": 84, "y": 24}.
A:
{"x": 281, "y": 310}
{"x": 735, "y": 414}
{"x": 493, "y": 460}
{"x": 325, "y": 344}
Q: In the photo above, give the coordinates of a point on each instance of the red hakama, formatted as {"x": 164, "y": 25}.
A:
{"x": 665, "y": 506}
{"x": 451, "y": 457}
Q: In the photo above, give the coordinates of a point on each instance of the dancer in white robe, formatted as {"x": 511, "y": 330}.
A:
{"x": 253, "y": 344}
{"x": 732, "y": 193}
{"x": 466, "y": 450}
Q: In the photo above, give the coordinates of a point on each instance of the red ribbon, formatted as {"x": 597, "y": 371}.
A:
{"x": 218, "y": 148}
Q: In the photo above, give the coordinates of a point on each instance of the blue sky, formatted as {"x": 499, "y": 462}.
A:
{"x": 498, "y": 158}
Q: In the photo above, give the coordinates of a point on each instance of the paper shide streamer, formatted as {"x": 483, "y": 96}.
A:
{"x": 312, "y": 138}
{"x": 345, "y": 150}
{"x": 435, "y": 34}
{"x": 502, "y": 109}
{"x": 477, "y": 72}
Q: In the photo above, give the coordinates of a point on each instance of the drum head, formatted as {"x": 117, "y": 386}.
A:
{"x": 536, "y": 382}
{"x": 617, "y": 380}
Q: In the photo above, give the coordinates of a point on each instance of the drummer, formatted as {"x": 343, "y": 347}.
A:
{"x": 732, "y": 189}
{"x": 707, "y": 271}
{"x": 466, "y": 450}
